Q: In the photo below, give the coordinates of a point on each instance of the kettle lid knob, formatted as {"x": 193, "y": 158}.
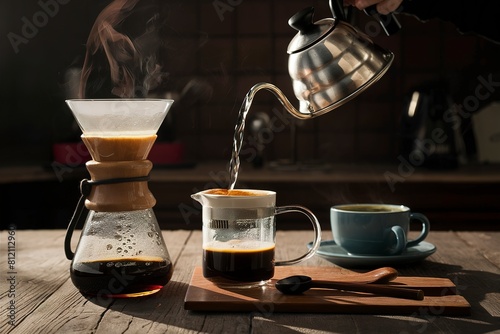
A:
{"x": 303, "y": 20}
{"x": 309, "y": 32}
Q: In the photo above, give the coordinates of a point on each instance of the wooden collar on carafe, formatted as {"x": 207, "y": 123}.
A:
{"x": 121, "y": 196}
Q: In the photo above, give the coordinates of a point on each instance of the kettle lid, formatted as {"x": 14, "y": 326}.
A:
{"x": 309, "y": 32}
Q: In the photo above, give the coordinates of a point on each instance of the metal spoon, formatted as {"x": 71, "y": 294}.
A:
{"x": 298, "y": 284}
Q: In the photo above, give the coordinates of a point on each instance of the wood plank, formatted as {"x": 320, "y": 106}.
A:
{"x": 40, "y": 270}
{"x": 418, "y": 323}
{"x": 485, "y": 243}
{"x": 65, "y": 311}
{"x": 477, "y": 279}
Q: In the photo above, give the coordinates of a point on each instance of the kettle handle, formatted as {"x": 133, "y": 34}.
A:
{"x": 389, "y": 23}
{"x": 337, "y": 10}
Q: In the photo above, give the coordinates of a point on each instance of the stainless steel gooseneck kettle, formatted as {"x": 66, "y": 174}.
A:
{"x": 330, "y": 63}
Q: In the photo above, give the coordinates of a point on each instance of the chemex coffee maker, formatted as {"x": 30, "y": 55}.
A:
{"x": 121, "y": 251}
{"x": 330, "y": 63}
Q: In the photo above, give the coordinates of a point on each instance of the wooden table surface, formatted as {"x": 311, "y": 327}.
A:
{"x": 44, "y": 300}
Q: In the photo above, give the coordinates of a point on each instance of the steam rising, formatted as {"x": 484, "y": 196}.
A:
{"x": 133, "y": 66}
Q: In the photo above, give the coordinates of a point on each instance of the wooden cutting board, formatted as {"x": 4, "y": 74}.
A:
{"x": 440, "y": 296}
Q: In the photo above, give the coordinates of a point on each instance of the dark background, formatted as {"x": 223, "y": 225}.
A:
{"x": 247, "y": 46}
{"x": 226, "y": 53}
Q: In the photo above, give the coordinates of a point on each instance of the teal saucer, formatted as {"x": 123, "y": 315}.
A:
{"x": 332, "y": 252}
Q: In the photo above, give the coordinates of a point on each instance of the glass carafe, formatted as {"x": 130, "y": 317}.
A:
{"x": 121, "y": 251}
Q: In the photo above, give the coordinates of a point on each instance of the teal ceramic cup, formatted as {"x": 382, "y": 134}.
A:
{"x": 375, "y": 229}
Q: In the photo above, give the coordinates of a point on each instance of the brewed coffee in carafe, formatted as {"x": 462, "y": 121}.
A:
{"x": 121, "y": 251}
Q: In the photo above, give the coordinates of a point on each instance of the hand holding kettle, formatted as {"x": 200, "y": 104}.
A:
{"x": 384, "y": 7}
{"x": 478, "y": 17}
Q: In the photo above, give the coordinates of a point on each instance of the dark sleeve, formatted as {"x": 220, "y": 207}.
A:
{"x": 481, "y": 17}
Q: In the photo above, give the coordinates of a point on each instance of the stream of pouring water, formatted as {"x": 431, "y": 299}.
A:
{"x": 239, "y": 130}
{"x": 234, "y": 163}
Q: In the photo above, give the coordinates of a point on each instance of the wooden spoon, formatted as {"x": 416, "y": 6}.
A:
{"x": 380, "y": 275}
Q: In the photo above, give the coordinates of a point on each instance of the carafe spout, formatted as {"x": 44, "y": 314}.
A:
{"x": 198, "y": 197}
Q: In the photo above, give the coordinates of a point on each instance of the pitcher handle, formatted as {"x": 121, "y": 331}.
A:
{"x": 316, "y": 228}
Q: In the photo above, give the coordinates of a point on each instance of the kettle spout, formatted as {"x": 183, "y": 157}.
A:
{"x": 306, "y": 111}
